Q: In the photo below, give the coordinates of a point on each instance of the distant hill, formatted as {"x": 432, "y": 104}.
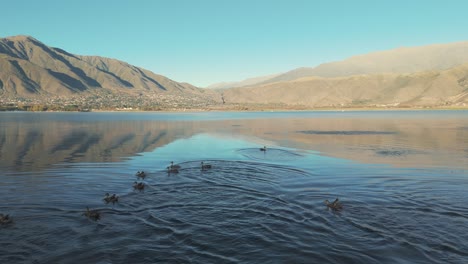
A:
{"x": 246, "y": 82}
{"x": 30, "y": 68}
{"x": 427, "y": 88}
{"x": 400, "y": 60}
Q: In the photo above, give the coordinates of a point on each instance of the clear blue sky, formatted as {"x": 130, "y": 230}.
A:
{"x": 208, "y": 41}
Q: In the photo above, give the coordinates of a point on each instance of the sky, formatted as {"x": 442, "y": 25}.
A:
{"x": 209, "y": 41}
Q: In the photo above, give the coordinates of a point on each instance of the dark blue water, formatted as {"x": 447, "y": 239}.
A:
{"x": 401, "y": 176}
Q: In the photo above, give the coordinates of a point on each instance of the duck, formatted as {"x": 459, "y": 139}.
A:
{"x": 141, "y": 174}
{"x": 138, "y": 186}
{"x": 111, "y": 199}
{"x": 92, "y": 214}
{"x": 205, "y": 166}
{"x": 263, "y": 149}
{"x": 174, "y": 166}
{"x": 5, "y": 219}
{"x": 172, "y": 170}
{"x": 335, "y": 205}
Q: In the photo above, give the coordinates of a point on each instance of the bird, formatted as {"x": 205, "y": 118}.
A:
{"x": 172, "y": 170}
{"x": 111, "y": 199}
{"x": 138, "y": 186}
{"x": 335, "y": 205}
{"x": 263, "y": 149}
{"x": 5, "y": 219}
{"x": 174, "y": 166}
{"x": 92, "y": 214}
{"x": 205, "y": 166}
{"x": 141, "y": 174}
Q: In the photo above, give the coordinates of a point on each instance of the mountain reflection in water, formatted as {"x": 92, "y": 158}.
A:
{"x": 401, "y": 177}
{"x": 33, "y": 141}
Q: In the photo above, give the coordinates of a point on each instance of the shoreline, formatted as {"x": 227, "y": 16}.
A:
{"x": 255, "y": 109}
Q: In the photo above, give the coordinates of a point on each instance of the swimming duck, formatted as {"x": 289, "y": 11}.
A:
{"x": 205, "y": 166}
{"x": 263, "y": 149}
{"x": 336, "y": 205}
{"x": 172, "y": 170}
{"x": 5, "y": 219}
{"x": 111, "y": 199}
{"x": 141, "y": 174}
{"x": 92, "y": 214}
{"x": 174, "y": 166}
{"x": 138, "y": 186}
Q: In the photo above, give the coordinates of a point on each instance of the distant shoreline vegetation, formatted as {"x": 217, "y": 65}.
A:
{"x": 96, "y": 102}
{"x": 43, "y": 108}
{"x": 230, "y": 107}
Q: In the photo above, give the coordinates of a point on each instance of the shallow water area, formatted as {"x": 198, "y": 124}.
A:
{"x": 402, "y": 202}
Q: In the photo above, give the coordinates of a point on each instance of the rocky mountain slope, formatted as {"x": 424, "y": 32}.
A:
{"x": 428, "y": 88}
{"x": 29, "y": 68}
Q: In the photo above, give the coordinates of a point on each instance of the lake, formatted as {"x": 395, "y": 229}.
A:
{"x": 401, "y": 177}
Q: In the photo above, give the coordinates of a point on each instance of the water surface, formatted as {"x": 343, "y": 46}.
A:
{"x": 401, "y": 177}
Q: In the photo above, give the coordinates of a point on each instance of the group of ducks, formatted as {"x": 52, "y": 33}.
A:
{"x": 335, "y": 205}
{"x": 95, "y": 215}
{"x": 139, "y": 185}
{"x": 174, "y": 168}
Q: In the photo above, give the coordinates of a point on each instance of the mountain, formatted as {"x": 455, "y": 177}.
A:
{"x": 400, "y": 60}
{"x": 32, "y": 72}
{"x": 29, "y": 68}
{"x": 426, "y": 88}
{"x": 246, "y": 82}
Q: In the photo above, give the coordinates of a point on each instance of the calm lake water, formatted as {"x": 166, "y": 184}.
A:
{"x": 402, "y": 177}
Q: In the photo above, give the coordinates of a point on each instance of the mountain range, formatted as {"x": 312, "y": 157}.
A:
{"x": 422, "y": 89}
{"x": 429, "y": 76}
{"x": 29, "y": 68}
{"x": 401, "y": 60}
{"x": 434, "y": 75}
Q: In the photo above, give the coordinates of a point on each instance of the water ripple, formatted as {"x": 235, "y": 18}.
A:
{"x": 239, "y": 212}
{"x": 271, "y": 154}
{"x": 346, "y": 132}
